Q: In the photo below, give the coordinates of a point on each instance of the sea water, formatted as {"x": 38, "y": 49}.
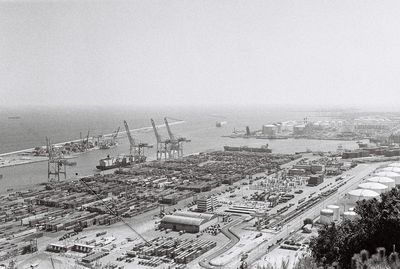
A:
{"x": 70, "y": 123}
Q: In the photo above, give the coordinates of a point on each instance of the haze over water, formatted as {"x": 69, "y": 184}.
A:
{"x": 64, "y": 124}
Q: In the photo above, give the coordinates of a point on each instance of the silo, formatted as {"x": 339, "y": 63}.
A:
{"x": 392, "y": 175}
{"x": 335, "y": 210}
{"x": 387, "y": 181}
{"x": 350, "y": 215}
{"x": 326, "y": 216}
{"x": 373, "y": 186}
{"x": 361, "y": 194}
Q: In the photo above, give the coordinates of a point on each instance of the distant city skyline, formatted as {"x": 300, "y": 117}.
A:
{"x": 312, "y": 53}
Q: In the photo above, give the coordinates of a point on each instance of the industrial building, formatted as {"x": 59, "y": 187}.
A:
{"x": 269, "y": 129}
{"x": 190, "y": 222}
{"x": 206, "y": 203}
{"x": 299, "y": 129}
{"x": 315, "y": 180}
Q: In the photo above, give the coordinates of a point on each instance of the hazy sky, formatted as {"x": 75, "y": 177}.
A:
{"x": 199, "y": 52}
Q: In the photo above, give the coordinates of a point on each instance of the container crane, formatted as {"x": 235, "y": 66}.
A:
{"x": 115, "y": 135}
{"x": 85, "y": 142}
{"x": 107, "y": 142}
{"x": 176, "y": 143}
{"x": 162, "y": 145}
{"x": 56, "y": 163}
{"x": 114, "y": 138}
{"x": 136, "y": 150}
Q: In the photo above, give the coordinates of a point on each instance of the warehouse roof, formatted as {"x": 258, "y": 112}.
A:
{"x": 194, "y": 215}
{"x": 182, "y": 220}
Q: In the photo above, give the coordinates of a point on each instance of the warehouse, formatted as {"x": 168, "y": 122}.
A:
{"x": 188, "y": 223}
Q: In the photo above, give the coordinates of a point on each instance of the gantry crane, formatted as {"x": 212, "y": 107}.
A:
{"x": 136, "y": 150}
{"x": 85, "y": 141}
{"x": 107, "y": 142}
{"x": 115, "y": 135}
{"x": 56, "y": 163}
{"x": 175, "y": 143}
{"x": 162, "y": 145}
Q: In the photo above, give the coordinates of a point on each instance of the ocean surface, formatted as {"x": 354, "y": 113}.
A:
{"x": 69, "y": 123}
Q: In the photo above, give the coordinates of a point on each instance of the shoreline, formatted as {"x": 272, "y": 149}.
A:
{"x": 15, "y": 154}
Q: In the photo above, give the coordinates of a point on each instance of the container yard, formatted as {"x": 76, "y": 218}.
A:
{"x": 69, "y": 208}
{"x": 197, "y": 204}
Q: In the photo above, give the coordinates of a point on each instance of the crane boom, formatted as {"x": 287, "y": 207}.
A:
{"x": 116, "y": 133}
{"x": 87, "y": 139}
{"x": 131, "y": 140}
{"x": 48, "y": 147}
{"x": 171, "y": 135}
{"x": 155, "y": 131}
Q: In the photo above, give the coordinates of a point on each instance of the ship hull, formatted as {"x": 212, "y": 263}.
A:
{"x": 247, "y": 149}
{"x": 125, "y": 161}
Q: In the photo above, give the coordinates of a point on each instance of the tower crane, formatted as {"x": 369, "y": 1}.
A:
{"x": 162, "y": 145}
{"x": 175, "y": 143}
{"x": 136, "y": 150}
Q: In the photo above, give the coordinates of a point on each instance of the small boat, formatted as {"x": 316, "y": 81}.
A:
{"x": 220, "y": 123}
{"x": 14, "y": 117}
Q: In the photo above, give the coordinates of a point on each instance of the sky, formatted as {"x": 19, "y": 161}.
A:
{"x": 199, "y": 52}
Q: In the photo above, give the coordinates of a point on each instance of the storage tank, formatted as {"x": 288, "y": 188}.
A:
{"x": 350, "y": 215}
{"x": 390, "y": 169}
{"x": 326, "y": 216}
{"x": 392, "y": 175}
{"x": 373, "y": 186}
{"x": 361, "y": 194}
{"x": 387, "y": 181}
{"x": 335, "y": 210}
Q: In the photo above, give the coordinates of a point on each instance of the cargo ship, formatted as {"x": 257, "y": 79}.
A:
{"x": 271, "y": 137}
{"x": 220, "y": 123}
{"x": 120, "y": 161}
{"x": 14, "y": 117}
{"x": 263, "y": 149}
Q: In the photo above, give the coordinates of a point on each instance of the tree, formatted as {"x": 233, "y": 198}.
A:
{"x": 308, "y": 221}
{"x": 378, "y": 225}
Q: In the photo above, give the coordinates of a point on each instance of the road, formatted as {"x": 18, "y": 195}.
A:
{"x": 234, "y": 239}
{"x": 359, "y": 173}
{"x": 355, "y": 176}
